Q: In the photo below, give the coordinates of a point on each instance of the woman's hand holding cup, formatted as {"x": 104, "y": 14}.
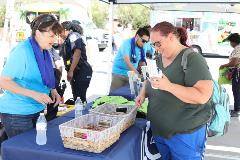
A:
{"x": 155, "y": 77}
{"x": 161, "y": 83}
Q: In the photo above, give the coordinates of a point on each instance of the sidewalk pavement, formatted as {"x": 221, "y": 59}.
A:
{"x": 225, "y": 147}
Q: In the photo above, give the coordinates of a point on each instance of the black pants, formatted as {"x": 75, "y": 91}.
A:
{"x": 236, "y": 89}
{"x": 51, "y": 110}
{"x": 79, "y": 86}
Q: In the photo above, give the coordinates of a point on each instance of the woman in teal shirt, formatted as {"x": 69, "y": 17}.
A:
{"x": 28, "y": 77}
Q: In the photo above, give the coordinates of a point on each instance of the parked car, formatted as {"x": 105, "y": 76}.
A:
{"x": 90, "y": 31}
{"x": 101, "y": 35}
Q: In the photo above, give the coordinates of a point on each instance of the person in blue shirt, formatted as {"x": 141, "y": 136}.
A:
{"x": 150, "y": 50}
{"x": 28, "y": 77}
{"x": 130, "y": 53}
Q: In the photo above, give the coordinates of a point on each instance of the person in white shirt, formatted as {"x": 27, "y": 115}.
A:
{"x": 234, "y": 61}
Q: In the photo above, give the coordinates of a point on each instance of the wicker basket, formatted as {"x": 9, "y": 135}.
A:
{"x": 74, "y": 135}
{"x": 110, "y": 110}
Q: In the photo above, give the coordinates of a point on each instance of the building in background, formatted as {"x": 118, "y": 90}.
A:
{"x": 206, "y": 30}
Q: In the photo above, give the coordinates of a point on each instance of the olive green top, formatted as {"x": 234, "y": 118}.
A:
{"x": 168, "y": 114}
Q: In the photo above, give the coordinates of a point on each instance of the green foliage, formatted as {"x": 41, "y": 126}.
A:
{"x": 2, "y": 14}
{"x": 99, "y": 13}
{"x": 224, "y": 22}
{"x": 134, "y": 14}
{"x": 64, "y": 13}
{"x": 23, "y": 14}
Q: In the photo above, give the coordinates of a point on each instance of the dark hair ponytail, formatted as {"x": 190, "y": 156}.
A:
{"x": 165, "y": 28}
{"x": 68, "y": 25}
{"x": 77, "y": 28}
{"x": 182, "y": 35}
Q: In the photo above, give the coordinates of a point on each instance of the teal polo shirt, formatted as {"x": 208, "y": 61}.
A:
{"x": 22, "y": 68}
{"x": 119, "y": 66}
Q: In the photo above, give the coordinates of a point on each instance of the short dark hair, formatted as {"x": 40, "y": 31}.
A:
{"x": 143, "y": 31}
{"x": 72, "y": 26}
{"x": 147, "y": 26}
{"x": 76, "y": 22}
{"x": 234, "y": 37}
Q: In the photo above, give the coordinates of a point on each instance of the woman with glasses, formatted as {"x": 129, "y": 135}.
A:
{"x": 179, "y": 107}
{"x": 127, "y": 58}
{"x": 28, "y": 77}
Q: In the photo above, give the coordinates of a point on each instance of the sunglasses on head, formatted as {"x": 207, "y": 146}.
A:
{"x": 143, "y": 40}
{"x": 48, "y": 18}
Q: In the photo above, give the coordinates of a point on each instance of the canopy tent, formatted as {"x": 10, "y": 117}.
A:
{"x": 226, "y": 6}
{"x": 222, "y": 6}
{"x": 172, "y": 1}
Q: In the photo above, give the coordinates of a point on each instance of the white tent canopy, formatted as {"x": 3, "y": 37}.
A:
{"x": 173, "y": 1}
{"x": 224, "y": 6}
{"x": 198, "y": 7}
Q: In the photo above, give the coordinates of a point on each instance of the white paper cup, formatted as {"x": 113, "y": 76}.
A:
{"x": 144, "y": 72}
{"x": 154, "y": 76}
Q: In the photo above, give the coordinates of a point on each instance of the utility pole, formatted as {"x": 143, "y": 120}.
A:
{"x": 110, "y": 19}
{"x": 8, "y": 22}
{"x": 90, "y": 9}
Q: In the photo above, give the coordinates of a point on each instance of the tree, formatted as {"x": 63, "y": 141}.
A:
{"x": 64, "y": 13}
{"x": 135, "y": 14}
{"x": 8, "y": 24}
{"x": 99, "y": 13}
{"x": 2, "y": 14}
{"x": 23, "y": 14}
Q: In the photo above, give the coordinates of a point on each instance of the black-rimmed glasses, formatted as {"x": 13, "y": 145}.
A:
{"x": 156, "y": 44}
{"x": 143, "y": 40}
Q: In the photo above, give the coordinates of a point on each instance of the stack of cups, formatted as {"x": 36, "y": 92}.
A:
{"x": 132, "y": 77}
{"x": 144, "y": 72}
{"x": 154, "y": 73}
{"x": 137, "y": 86}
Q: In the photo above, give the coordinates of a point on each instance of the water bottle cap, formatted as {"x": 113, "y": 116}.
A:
{"x": 41, "y": 114}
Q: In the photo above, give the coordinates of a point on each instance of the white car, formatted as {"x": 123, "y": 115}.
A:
{"x": 92, "y": 32}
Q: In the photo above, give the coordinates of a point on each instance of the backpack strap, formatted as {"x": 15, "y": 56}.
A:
{"x": 186, "y": 52}
{"x": 218, "y": 89}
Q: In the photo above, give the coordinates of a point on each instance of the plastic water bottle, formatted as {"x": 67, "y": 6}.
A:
{"x": 63, "y": 87}
{"x": 78, "y": 107}
{"x": 41, "y": 127}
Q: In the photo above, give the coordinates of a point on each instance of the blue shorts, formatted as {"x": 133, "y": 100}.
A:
{"x": 183, "y": 146}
